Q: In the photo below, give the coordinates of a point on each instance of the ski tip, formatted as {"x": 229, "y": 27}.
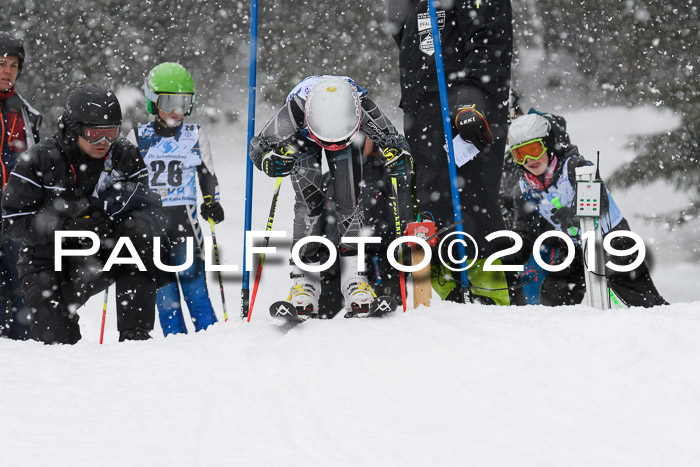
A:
{"x": 285, "y": 311}
{"x": 382, "y": 306}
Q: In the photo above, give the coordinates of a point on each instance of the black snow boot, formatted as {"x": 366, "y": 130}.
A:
{"x": 136, "y": 334}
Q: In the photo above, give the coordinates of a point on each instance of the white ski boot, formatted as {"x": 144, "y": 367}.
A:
{"x": 358, "y": 294}
{"x": 305, "y": 291}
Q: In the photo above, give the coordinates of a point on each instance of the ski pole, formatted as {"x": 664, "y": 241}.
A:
{"x": 261, "y": 260}
{"x": 456, "y": 205}
{"x": 104, "y": 315}
{"x": 397, "y": 222}
{"x": 216, "y": 258}
{"x": 245, "y": 285}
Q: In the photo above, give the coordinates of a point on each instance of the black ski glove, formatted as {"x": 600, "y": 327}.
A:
{"x": 124, "y": 197}
{"x": 398, "y": 162}
{"x": 212, "y": 210}
{"x": 564, "y": 216}
{"x": 97, "y": 221}
{"x": 473, "y": 127}
{"x": 279, "y": 162}
{"x": 86, "y": 206}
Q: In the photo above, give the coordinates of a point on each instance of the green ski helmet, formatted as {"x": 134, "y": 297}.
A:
{"x": 169, "y": 79}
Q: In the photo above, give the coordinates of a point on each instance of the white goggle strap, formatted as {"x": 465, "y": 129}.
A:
{"x": 148, "y": 92}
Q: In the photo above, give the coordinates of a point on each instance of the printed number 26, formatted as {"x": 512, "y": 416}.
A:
{"x": 174, "y": 173}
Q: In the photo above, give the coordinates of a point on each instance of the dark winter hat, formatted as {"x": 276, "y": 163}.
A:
{"x": 91, "y": 105}
{"x": 10, "y": 45}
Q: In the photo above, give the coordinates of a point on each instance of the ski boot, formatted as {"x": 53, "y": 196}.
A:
{"x": 358, "y": 294}
{"x": 305, "y": 292}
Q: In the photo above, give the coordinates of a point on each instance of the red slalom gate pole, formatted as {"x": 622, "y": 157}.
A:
{"x": 261, "y": 261}
{"x": 104, "y": 316}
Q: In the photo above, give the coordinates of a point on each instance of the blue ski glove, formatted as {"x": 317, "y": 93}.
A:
{"x": 398, "y": 163}
{"x": 279, "y": 162}
{"x": 473, "y": 127}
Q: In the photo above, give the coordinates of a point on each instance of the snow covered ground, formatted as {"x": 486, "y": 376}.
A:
{"x": 446, "y": 386}
{"x": 449, "y": 385}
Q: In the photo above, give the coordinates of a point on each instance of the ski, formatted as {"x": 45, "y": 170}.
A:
{"x": 381, "y": 306}
{"x": 285, "y": 311}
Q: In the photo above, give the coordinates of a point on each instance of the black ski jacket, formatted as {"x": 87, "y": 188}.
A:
{"x": 476, "y": 38}
{"x": 51, "y": 183}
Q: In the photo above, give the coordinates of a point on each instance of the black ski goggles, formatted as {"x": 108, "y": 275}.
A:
{"x": 97, "y": 134}
{"x": 180, "y": 103}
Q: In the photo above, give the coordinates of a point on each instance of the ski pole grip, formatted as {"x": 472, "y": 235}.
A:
{"x": 208, "y": 203}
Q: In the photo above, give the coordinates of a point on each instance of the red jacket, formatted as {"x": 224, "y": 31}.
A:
{"x": 15, "y": 137}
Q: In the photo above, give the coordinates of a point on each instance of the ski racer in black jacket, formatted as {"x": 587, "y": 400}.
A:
{"x": 19, "y": 127}
{"x": 544, "y": 200}
{"x": 477, "y": 45}
{"x": 325, "y": 114}
{"x": 54, "y": 188}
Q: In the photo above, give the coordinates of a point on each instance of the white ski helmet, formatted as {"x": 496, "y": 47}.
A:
{"x": 527, "y": 128}
{"x": 333, "y": 113}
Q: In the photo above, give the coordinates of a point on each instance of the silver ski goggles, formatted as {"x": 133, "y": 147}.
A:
{"x": 180, "y": 103}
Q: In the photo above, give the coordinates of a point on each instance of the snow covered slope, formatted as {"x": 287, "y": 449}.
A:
{"x": 449, "y": 385}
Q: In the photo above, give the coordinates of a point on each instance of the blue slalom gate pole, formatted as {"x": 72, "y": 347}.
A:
{"x": 245, "y": 285}
{"x": 456, "y": 205}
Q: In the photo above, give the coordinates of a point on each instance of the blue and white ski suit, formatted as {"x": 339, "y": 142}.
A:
{"x": 174, "y": 158}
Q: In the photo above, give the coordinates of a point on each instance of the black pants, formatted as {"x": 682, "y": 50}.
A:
{"x": 53, "y": 297}
{"x": 13, "y": 316}
{"x": 478, "y": 179}
{"x": 635, "y": 288}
